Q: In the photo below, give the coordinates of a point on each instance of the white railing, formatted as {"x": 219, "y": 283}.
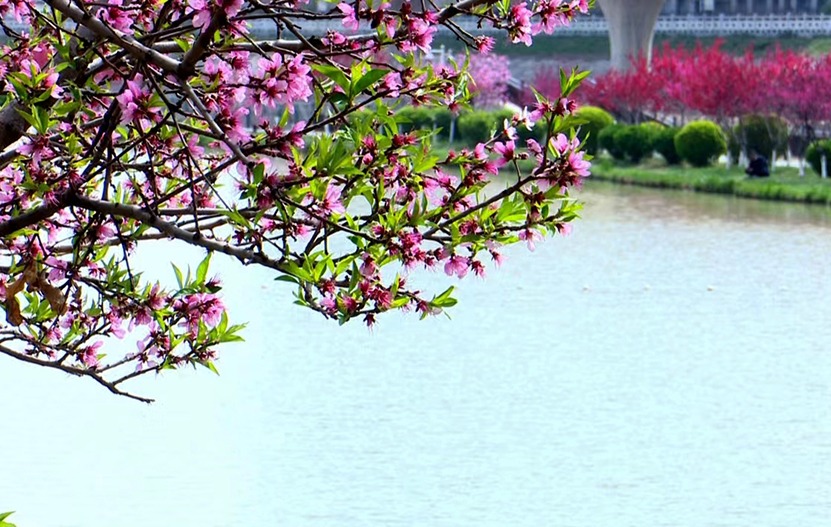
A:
{"x": 802, "y": 25}
{"x": 768, "y": 25}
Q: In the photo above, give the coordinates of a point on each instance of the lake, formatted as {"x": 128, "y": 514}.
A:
{"x": 666, "y": 364}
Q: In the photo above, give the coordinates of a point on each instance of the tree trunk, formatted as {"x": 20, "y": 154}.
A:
{"x": 631, "y": 26}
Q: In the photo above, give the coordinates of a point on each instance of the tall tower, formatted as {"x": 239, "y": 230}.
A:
{"x": 631, "y": 26}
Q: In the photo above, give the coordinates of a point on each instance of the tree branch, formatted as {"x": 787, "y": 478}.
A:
{"x": 72, "y": 371}
{"x": 132, "y": 46}
{"x": 178, "y": 233}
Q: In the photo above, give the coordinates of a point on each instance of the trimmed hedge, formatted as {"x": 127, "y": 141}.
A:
{"x": 475, "y": 127}
{"x": 699, "y": 143}
{"x": 663, "y": 142}
{"x": 596, "y": 119}
{"x": 607, "y": 140}
{"x": 635, "y": 141}
{"x": 764, "y": 134}
{"x": 814, "y": 155}
{"x": 414, "y": 118}
{"x": 471, "y": 127}
{"x": 443, "y": 119}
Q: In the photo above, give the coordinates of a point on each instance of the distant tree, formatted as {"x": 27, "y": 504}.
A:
{"x": 489, "y": 76}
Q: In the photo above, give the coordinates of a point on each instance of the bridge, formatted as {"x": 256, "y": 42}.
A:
{"x": 804, "y": 25}
{"x": 807, "y": 25}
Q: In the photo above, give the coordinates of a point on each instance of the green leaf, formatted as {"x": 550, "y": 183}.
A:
{"x": 202, "y": 270}
{"x": 369, "y": 78}
{"x": 179, "y": 279}
{"x": 333, "y": 72}
{"x": 31, "y": 119}
{"x": 444, "y": 297}
{"x": 294, "y": 269}
{"x": 286, "y": 278}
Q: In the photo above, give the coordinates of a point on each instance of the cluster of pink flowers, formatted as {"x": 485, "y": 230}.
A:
{"x": 178, "y": 124}
{"x": 280, "y": 83}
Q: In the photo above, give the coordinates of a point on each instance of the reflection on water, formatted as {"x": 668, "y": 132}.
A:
{"x": 666, "y": 364}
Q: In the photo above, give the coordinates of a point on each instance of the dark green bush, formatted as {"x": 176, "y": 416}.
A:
{"x": 607, "y": 140}
{"x": 814, "y": 155}
{"x": 596, "y": 120}
{"x": 414, "y": 118}
{"x": 699, "y": 143}
{"x": 663, "y": 142}
{"x": 475, "y": 127}
{"x": 442, "y": 117}
{"x": 764, "y": 134}
{"x": 635, "y": 141}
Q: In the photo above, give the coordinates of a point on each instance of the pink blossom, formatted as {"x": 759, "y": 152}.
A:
{"x": 350, "y": 21}
{"x": 392, "y": 82}
{"x": 37, "y": 149}
{"x": 116, "y": 324}
{"x": 19, "y": 8}
{"x": 368, "y": 268}
{"x": 457, "y": 265}
{"x": 89, "y": 355}
{"x": 135, "y": 102}
{"x": 116, "y": 16}
{"x": 506, "y": 150}
{"x": 520, "y": 24}
{"x": 201, "y": 307}
{"x": 484, "y": 44}
{"x": 331, "y": 203}
{"x": 563, "y": 144}
{"x": 551, "y": 16}
{"x": 57, "y": 269}
{"x": 580, "y": 5}
{"x": 530, "y": 236}
{"x": 202, "y": 14}
{"x": 579, "y": 165}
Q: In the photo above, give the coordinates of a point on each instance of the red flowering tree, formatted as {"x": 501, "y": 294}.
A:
{"x": 719, "y": 85}
{"x": 797, "y": 88}
{"x": 631, "y": 95}
{"x": 669, "y": 90}
{"x": 124, "y": 122}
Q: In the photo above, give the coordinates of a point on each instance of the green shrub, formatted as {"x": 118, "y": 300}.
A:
{"x": 814, "y": 155}
{"x": 663, "y": 142}
{"x": 635, "y": 141}
{"x": 414, "y": 118}
{"x": 700, "y": 143}
{"x": 606, "y": 139}
{"x": 474, "y": 127}
{"x": 442, "y": 117}
{"x": 764, "y": 134}
{"x": 596, "y": 119}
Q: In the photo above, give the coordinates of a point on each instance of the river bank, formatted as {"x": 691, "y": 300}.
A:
{"x": 785, "y": 184}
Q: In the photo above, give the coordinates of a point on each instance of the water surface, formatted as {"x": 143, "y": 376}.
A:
{"x": 666, "y": 364}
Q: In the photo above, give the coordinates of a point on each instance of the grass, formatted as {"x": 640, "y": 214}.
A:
{"x": 785, "y": 184}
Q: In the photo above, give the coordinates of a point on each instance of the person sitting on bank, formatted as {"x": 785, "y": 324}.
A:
{"x": 758, "y": 166}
